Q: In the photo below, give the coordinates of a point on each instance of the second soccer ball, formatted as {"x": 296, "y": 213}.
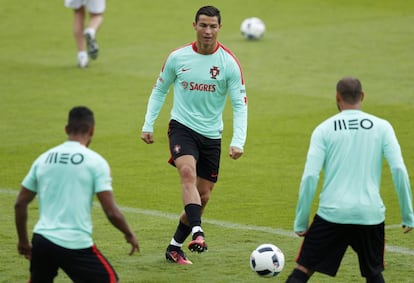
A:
{"x": 253, "y": 28}
{"x": 267, "y": 260}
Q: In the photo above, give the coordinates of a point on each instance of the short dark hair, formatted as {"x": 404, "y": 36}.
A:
{"x": 209, "y": 11}
{"x": 350, "y": 89}
{"x": 80, "y": 120}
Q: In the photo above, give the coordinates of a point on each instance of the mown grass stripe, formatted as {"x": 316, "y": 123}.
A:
{"x": 228, "y": 225}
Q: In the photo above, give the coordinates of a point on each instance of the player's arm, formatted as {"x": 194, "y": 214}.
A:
{"x": 307, "y": 191}
{"x": 393, "y": 155}
{"x": 23, "y": 200}
{"x": 117, "y": 219}
{"x": 238, "y": 97}
{"x": 157, "y": 98}
{"x": 309, "y": 183}
{"x": 155, "y": 103}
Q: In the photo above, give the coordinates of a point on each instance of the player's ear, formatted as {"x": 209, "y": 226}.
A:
{"x": 362, "y": 95}
{"x": 67, "y": 129}
{"x": 194, "y": 25}
{"x": 338, "y": 101}
{"x": 338, "y": 97}
{"x": 91, "y": 131}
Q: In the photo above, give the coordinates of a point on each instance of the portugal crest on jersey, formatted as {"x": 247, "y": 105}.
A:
{"x": 214, "y": 71}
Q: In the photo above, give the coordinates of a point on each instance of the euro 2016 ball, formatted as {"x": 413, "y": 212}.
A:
{"x": 253, "y": 28}
{"x": 267, "y": 260}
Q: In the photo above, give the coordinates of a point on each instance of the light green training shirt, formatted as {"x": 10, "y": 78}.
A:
{"x": 201, "y": 83}
{"x": 350, "y": 147}
{"x": 65, "y": 179}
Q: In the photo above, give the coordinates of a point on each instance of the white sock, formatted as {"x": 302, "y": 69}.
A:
{"x": 196, "y": 229}
{"x": 175, "y": 243}
{"x": 91, "y": 31}
{"x": 82, "y": 54}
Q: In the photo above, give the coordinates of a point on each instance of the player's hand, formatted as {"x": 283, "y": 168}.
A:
{"x": 132, "y": 239}
{"x": 25, "y": 249}
{"x": 301, "y": 233}
{"x": 147, "y": 137}
{"x": 235, "y": 152}
{"x": 406, "y": 229}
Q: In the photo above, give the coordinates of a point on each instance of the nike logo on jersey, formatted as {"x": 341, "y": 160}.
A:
{"x": 185, "y": 69}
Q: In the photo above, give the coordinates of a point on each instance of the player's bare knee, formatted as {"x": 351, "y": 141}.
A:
{"x": 187, "y": 173}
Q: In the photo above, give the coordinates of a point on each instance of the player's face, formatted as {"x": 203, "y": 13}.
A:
{"x": 207, "y": 29}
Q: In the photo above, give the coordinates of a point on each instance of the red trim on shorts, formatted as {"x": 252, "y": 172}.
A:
{"x": 300, "y": 250}
{"x": 383, "y": 254}
{"x": 171, "y": 159}
{"x": 112, "y": 277}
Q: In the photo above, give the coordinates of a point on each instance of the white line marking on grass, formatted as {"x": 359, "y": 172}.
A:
{"x": 230, "y": 225}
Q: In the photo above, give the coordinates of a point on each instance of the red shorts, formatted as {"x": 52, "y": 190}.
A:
{"x": 81, "y": 265}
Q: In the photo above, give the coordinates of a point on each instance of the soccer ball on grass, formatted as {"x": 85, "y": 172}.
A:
{"x": 267, "y": 260}
{"x": 253, "y": 28}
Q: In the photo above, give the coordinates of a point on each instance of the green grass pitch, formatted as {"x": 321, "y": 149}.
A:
{"x": 290, "y": 77}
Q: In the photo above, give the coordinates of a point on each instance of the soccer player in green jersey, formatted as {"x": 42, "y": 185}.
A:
{"x": 65, "y": 180}
{"x": 202, "y": 73}
{"x": 349, "y": 147}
